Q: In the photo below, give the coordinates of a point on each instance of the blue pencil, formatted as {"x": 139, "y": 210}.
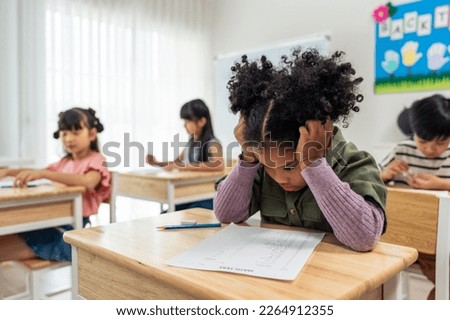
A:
{"x": 190, "y": 226}
{"x": 11, "y": 186}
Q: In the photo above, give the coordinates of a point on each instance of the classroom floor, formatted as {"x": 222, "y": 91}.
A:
{"x": 12, "y": 279}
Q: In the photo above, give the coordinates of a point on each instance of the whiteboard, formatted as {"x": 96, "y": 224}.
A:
{"x": 224, "y": 120}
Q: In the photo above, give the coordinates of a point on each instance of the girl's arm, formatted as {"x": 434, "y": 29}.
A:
{"x": 177, "y": 163}
{"x": 356, "y": 222}
{"x": 232, "y": 200}
{"x": 9, "y": 172}
{"x": 153, "y": 162}
{"x": 89, "y": 180}
{"x": 215, "y": 163}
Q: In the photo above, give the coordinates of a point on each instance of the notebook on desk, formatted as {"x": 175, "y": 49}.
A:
{"x": 9, "y": 182}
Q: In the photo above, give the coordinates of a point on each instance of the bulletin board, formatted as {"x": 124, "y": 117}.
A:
{"x": 224, "y": 119}
{"x": 412, "y": 48}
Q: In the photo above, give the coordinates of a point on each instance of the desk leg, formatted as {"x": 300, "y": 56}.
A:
{"x": 74, "y": 274}
{"x": 443, "y": 249}
{"x": 78, "y": 224}
{"x": 171, "y": 196}
{"x": 78, "y": 212}
{"x": 393, "y": 288}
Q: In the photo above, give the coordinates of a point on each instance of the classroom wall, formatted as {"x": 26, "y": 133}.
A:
{"x": 247, "y": 24}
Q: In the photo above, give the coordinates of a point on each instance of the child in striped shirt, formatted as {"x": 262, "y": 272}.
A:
{"x": 424, "y": 162}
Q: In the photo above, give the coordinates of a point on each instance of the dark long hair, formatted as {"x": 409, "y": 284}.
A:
{"x": 74, "y": 118}
{"x": 194, "y": 110}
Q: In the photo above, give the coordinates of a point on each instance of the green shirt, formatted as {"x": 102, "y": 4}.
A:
{"x": 357, "y": 168}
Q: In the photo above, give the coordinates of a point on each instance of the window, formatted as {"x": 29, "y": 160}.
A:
{"x": 134, "y": 63}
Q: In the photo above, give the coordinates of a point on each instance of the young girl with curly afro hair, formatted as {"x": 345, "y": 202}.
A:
{"x": 296, "y": 167}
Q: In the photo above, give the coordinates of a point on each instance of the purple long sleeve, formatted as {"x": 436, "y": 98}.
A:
{"x": 357, "y": 223}
{"x": 235, "y": 193}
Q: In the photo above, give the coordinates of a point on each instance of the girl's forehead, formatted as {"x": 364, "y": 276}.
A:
{"x": 276, "y": 157}
{"x": 81, "y": 126}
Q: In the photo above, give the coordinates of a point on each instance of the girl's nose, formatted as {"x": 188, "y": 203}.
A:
{"x": 281, "y": 178}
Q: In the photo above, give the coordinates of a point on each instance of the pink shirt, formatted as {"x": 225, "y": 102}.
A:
{"x": 94, "y": 162}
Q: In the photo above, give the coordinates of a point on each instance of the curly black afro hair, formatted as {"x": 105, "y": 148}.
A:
{"x": 306, "y": 86}
{"x": 250, "y": 93}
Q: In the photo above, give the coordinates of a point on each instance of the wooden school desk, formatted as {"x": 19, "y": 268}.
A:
{"x": 171, "y": 187}
{"x": 27, "y": 209}
{"x": 127, "y": 261}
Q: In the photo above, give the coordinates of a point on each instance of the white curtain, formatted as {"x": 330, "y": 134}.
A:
{"x": 22, "y": 80}
{"x": 134, "y": 61}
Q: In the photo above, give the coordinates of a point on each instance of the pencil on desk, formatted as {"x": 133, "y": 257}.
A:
{"x": 190, "y": 226}
{"x": 11, "y": 186}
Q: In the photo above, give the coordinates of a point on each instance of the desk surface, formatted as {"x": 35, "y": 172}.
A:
{"x": 175, "y": 175}
{"x": 332, "y": 272}
{"x": 12, "y": 194}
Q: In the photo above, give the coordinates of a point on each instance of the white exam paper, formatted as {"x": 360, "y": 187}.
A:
{"x": 259, "y": 252}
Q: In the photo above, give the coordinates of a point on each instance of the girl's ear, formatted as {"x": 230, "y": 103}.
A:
{"x": 202, "y": 122}
{"x": 93, "y": 134}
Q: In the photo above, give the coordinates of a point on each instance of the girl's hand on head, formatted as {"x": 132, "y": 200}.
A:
{"x": 25, "y": 176}
{"x": 239, "y": 130}
{"x": 248, "y": 152}
{"x": 426, "y": 181}
{"x": 394, "y": 168}
{"x": 315, "y": 140}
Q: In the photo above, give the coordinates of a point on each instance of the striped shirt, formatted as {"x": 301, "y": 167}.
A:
{"x": 417, "y": 162}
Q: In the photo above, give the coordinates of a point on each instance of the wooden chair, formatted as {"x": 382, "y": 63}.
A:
{"x": 13, "y": 285}
{"x": 421, "y": 219}
{"x": 38, "y": 267}
{"x": 36, "y": 270}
